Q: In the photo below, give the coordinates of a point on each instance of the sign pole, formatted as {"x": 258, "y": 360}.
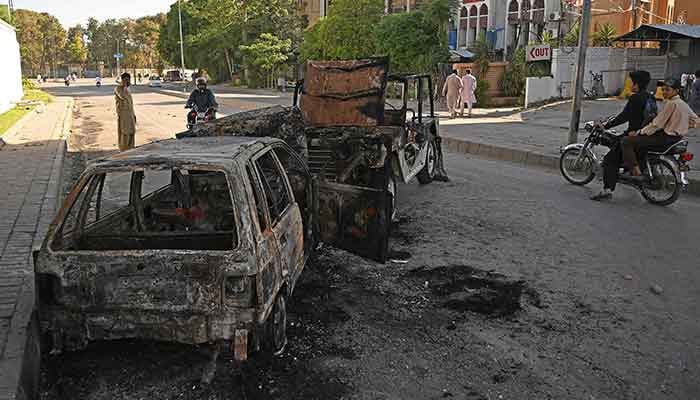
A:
{"x": 580, "y": 72}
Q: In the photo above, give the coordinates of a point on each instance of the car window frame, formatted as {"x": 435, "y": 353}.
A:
{"x": 285, "y": 178}
{"x": 238, "y": 245}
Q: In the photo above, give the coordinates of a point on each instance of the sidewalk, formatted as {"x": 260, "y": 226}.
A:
{"x": 534, "y": 137}
{"x": 30, "y": 171}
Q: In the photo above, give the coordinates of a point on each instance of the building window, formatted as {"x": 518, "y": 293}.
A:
{"x": 483, "y": 21}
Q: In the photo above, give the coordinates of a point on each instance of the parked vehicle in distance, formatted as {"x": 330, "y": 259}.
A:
{"x": 196, "y": 240}
{"x": 155, "y": 81}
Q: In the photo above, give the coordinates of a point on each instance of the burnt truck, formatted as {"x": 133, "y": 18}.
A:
{"x": 360, "y": 130}
{"x": 201, "y": 239}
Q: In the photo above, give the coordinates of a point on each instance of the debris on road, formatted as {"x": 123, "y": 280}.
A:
{"x": 656, "y": 289}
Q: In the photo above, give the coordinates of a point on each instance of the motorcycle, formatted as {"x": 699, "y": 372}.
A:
{"x": 66, "y": 82}
{"x": 199, "y": 116}
{"x": 664, "y": 172}
{"x": 98, "y": 84}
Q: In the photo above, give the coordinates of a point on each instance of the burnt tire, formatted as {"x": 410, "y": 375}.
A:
{"x": 427, "y": 174}
{"x": 276, "y": 327}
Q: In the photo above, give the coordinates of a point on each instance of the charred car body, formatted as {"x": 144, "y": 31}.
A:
{"x": 201, "y": 239}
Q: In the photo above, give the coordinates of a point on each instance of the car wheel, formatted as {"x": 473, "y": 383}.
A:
{"x": 276, "y": 335}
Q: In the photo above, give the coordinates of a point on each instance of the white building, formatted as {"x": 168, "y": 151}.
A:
{"x": 10, "y": 68}
{"x": 508, "y": 24}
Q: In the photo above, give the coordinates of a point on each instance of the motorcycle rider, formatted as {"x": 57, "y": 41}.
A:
{"x": 203, "y": 98}
{"x": 670, "y": 126}
{"x": 638, "y": 112}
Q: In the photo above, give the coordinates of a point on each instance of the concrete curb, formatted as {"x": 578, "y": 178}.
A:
{"x": 523, "y": 157}
{"x": 16, "y": 126}
{"x": 22, "y": 355}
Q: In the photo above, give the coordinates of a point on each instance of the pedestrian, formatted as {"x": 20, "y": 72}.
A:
{"x": 281, "y": 84}
{"x": 468, "y": 89}
{"x": 451, "y": 89}
{"x": 138, "y": 76}
{"x": 126, "y": 117}
{"x": 38, "y": 79}
{"x": 695, "y": 93}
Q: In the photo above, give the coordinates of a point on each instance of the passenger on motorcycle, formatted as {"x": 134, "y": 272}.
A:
{"x": 203, "y": 98}
{"x": 667, "y": 128}
{"x": 638, "y": 112}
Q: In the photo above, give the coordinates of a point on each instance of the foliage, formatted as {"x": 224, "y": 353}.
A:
{"x": 28, "y": 84}
{"x": 347, "y": 32}
{"x": 267, "y": 52}
{"x": 513, "y": 81}
{"x": 548, "y": 38}
{"x": 412, "y": 41}
{"x": 5, "y": 13}
{"x": 10, "y": 117}
{"x": 215, "y": 30}
{"x": 41, "y": 38}
{"x": 571, "y": 37}
{"x": 483, "y": 98}
{"x": 604, "y": 36}
{"x": 76, "y": 50}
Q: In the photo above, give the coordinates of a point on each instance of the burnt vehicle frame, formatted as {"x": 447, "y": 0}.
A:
{"x": 142, "y": 269}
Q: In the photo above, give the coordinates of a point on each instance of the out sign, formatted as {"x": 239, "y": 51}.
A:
{"x": 540, "y": 52}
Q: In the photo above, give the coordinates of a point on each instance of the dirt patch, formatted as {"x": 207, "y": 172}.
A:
{"x": 464, "y": 288}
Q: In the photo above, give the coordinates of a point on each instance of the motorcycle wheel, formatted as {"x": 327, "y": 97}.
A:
{"x": 580, "y": 174}
{"x": 664, "y": 187}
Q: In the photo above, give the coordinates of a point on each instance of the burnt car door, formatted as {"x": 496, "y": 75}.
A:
{"x": 283, "y": 211}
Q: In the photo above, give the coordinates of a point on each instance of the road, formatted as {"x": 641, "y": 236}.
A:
{"x": 589, "y": 327}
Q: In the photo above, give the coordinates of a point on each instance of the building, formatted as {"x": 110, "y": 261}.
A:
{"x": 313, "y": 10}
{"x": 507, "y": 24}
{"x": 628, "y": 15}
{"x": 10, "y": 67}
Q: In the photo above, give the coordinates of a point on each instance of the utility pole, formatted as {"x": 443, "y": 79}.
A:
{"x": 580, "y": 71}
{"x": 118, "y": 57}
{"x": 182, "y": 46}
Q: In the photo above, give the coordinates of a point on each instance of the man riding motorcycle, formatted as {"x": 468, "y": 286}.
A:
{"x": 638, "y": 112}
{"x": 670, "y": 126}
{"x": 203, "y": 99}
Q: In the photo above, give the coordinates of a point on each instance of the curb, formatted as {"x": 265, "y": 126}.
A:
{"x": 523, "y": 157}
{"x": 22, "y": 354}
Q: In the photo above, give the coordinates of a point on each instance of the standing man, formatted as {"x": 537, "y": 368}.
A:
{"x": 451, "y": 89}
{"x": 468, "y": 89}
{"x": 126, "y": 117}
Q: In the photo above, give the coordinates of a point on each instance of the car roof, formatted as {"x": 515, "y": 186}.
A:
{"x": 217, "y": 151}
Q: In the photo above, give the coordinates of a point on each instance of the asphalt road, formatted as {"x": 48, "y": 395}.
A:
{"x": 588, "y": 325}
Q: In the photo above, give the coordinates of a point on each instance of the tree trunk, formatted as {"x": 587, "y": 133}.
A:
{"x": 227, "y": 55}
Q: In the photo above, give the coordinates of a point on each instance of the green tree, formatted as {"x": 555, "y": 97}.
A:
{"x": 604, "y": 36}
{"x": 76, "y": 51}
{"x": 347, "y": 32}
{"x": 412, "y": 42}
{"x": 268, "y": 52}
{"x": 571, "y": 37}
{"x": 42, "y": 42}
{"x": 5, "y": 13}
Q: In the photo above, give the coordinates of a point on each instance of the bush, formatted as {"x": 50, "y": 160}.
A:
{"x": 28, "y": 84}
{"x": 483, "y": 98}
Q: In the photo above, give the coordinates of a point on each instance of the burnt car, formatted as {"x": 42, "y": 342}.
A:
{"x": 359, "y": 129}
{"x": 195, "y": 241}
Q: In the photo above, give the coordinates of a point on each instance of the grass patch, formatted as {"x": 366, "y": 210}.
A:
{"x": 10, "y": 117}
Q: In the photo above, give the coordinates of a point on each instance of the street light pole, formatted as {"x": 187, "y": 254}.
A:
{"x": 182, "y": 47}
{"x": 580, "y": 71}
{"x": 117, "y": 56}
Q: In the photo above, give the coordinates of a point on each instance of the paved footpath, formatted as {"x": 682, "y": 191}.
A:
{"x": 30, "y": 170}
{"x": 534, "y": 136}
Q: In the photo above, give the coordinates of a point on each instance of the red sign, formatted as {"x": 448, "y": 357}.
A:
{"x": 540, "y": 52}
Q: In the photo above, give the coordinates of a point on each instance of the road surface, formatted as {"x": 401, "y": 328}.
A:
{"x": 588, "y": 327}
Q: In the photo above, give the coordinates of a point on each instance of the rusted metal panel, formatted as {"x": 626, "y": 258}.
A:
{"x": 344, "y": 93}
{"x": 366, "y": 110}
{"x": 344, "y": 79}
